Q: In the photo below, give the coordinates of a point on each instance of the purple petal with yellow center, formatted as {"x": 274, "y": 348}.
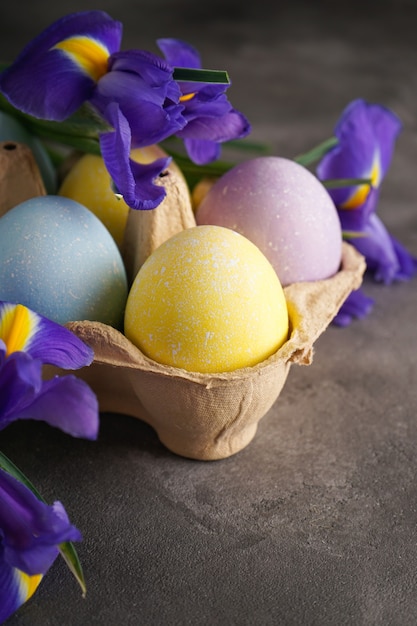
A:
{"x": 27, "y": 341}
{"x": 134, "y": 181}
{"x": 366, "y": 136}
{"x": 16, "y": 587}
{"x": 24, "y": 330}
{"x": 58, "y": 70}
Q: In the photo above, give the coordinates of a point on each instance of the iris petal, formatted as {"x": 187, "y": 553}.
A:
{"x": 202, "y": 151}
{"x": 31, "y": 530}
{"x": 18, "y": 325}
{"x": 143, "y": 106}
{"x": 16, "y": 588}
{"x": 366, "y": 134}
{"x": 90, "y": 55}
{"x": 386, "y": 126}
{"x": 407, "y": 262}
{"x": 366, "y": 137}
{"x": 134, "y": 181}
{"x": 203, "y": 135}
{"x": 385, "y": 257}
{"x": 20, "y": 382}
{"x": 24, "y": 330}
{"x": 45, "y": 81}
{"x": 153, "y": 70}
{"x": 216, "y": 128}
{"x": 179, "y": 53}
{"x": 357, "y": 305}
{"x": 67, "y": 403}
{"x": 27, "y": 341}
{"x": 148, "y": 97}
{"x": 210, "y": 117}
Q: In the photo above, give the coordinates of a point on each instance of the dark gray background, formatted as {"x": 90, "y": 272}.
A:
{"x": 315, "y": 521}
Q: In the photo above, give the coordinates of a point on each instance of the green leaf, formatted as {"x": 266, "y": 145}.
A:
{"x": 316, "y": 153}
{"x": 8, "y": 466}
{"x": 73, "y": 563}
{"x": 245, "y": 145}
{"x": 334, "y": 183}
{"x": 80, "y": 131}
{"x": 353, "y": 234}
{"x": 66, "y": 549}
{"x": 85, "y": 122}
{"x": 191, "y": 75}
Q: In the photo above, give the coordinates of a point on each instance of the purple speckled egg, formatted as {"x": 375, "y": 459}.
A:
{"x": 282, "y": 208}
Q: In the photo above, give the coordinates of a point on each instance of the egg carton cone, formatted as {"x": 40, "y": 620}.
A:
{"x": 195, "y": 415}
{"x": 20, "y": 178}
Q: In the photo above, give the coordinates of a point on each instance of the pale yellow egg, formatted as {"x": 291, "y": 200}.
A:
{"x": 207, "y": 300}
{"x": 88, "y": 182}
{"x": 200, "y": 191}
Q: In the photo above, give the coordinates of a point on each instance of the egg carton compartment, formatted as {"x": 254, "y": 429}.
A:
{"x": 195, "y": 415}
{"x": 212, "y": 416}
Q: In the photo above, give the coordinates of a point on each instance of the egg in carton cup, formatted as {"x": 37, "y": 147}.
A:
{"x": 197, "y": 415}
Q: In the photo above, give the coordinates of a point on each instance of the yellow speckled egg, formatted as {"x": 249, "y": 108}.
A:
{"x": 207, "y": 300}
{"x": 88, "y": 182}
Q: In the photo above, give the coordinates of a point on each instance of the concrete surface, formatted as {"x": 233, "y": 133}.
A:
{"x": 314, "y": 523}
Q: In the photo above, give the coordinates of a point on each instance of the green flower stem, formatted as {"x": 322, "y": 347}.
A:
{"x": 353, "y": 234}
{"x": 334, "y": 183}
{"x": 316, "y": 153}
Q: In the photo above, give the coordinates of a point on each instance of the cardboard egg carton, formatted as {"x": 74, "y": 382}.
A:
{"x": 196, "y": 415}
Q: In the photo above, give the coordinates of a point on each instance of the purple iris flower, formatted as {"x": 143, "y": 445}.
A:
{"x": 211, "y": 119}
{"x": 27, "y": 341}
{"x": 30, "y": 533}
{"x": 78, "y": 59}
{"x": 366, "y": 136}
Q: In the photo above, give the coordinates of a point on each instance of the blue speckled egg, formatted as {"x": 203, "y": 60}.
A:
{"x": 12, "y": 130}
{"x": 57, "y": 258}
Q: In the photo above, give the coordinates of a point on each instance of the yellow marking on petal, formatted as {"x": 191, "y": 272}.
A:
{"x": 88, "y": 53}
{"x": 17, "y": 325}
{"x": 28, "y": 584}
{"x": 360, "y": 194}
{"x": 186, "y": 97}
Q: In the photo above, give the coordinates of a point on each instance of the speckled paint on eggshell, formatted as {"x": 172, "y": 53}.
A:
{"x": 58, "y": 259}
{"x": 207, "y": 300}
{"x": 285, "y": 210}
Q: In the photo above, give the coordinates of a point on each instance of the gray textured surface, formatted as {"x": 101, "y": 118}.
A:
{"x": 315, "y": 521}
